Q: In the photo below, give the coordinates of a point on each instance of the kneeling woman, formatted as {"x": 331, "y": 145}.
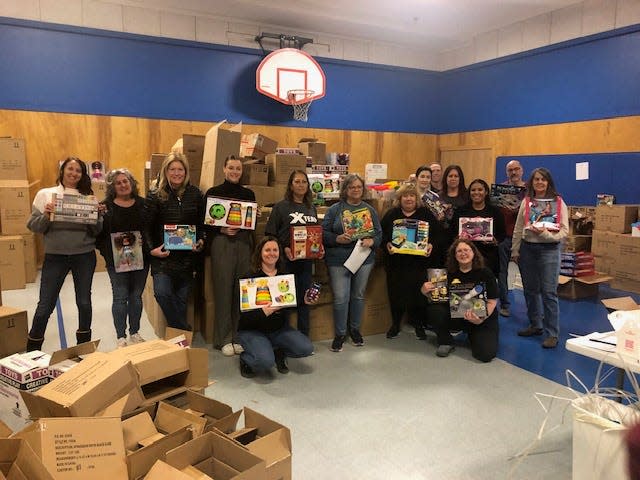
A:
{"x": 265, "y": 333}
{"x": 466, "y": 265}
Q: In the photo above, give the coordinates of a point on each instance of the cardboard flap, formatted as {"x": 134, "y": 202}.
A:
{"x": 74, "y": 352}
{"x": 5, "y": 431}
{"x": 307, "y": 140}
{"x": 137, "y": 428}
{"x": 163, "y": 471}
{"x": 170, "y": 419}
{"x": 236, "y": 128}
{"x": 171, "y": 333}
{"x": 272, "y": 448}
{"x": 229, "y": 423}
{"x": 208, "y": 406}
{"x": 265, "y": 425}
{"x": 198, "y": 375}
{"x": 140, "y": 461}
{"x": 593, "y": 279}
{"x": 562, "y": 279}
{"x": 20, "y": 461}
{"x": 620, "y": 303}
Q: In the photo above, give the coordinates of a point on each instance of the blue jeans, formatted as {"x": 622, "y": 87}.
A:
{"x": 259, "y": 347}
{"x": 126, "y": 288}
{"x": 54, "y": 271}
{"x": 539, "y": 268}
{"x": 172, "y": 294}
{"x": 504, "y": 255}
{"x": 348, "y": 296}
{"x": 302, "y": 269}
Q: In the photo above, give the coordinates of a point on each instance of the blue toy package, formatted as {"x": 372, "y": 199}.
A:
{"x": 179, "y": 237}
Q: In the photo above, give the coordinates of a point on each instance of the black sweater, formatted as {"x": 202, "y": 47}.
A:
{"x": 233, "y": 191}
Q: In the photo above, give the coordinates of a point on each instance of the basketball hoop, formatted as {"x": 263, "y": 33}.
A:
{"x": 300, "y": 100}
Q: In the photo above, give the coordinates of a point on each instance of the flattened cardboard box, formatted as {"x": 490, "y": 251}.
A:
{"x": 217, "y": 457}
{"x": 18, "y": 461}
{"x": 79, "y": 448}
{"x": 97, "y": 382}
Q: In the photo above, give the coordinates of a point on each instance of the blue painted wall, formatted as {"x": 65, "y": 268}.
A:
{"x": 587, "y": 79}
{"x": 613, "y": 173}
{"x": 66, "y": 69}
{"x": 47, "y": 67}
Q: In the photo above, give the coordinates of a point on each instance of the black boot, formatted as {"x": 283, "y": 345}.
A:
{"x": 83, "y": 336}
{"x": 281, "y": 361}
{"x": 34, "y": 343}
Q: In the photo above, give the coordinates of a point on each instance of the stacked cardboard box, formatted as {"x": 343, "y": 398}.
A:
{"x": 17, "y": 265}
{"x": 616, "y": 251}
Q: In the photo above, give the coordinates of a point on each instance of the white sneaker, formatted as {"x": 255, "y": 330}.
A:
{"x": 122, "y": 342}
{"x": 228, "y": 350}
{"x": 136, "y": 338}
{"x": 237, "y": 348}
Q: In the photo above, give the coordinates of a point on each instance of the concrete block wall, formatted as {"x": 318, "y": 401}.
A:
{"x": 581, "y": 19}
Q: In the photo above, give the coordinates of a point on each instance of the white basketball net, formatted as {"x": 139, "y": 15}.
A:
{"x": 300, "y": 100}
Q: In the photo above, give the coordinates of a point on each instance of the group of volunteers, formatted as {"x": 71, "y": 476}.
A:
{"x": 263, "y": 337}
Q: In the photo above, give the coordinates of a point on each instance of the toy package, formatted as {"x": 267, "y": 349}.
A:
{"x": 74, "y": 208}
{"x": 467, "y": 296}
{"x": 436, "y": 205}
{"x": 98, "y": 173}
{"x": 225, "y": 212}
{"x": 127, "y": 251}
{"x": 277, "y": 291}
{"x": 358, "y": 223}
{"x": 306, "y": 241}
{"x": 179, "y": 237}
{"x": 543, "y": 213}
{"x": 438, "y": 276}
{"x": 410, "y": 236}
{"x": 507, "y": 196}
{"x": 479, "y": 229}
{"x": 324, "y": 186}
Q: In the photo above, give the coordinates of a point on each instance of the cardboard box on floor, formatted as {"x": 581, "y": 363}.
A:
{"x": 78, "y": 448}
{"x": 210, "y": 409}
{"x": 18, "y": 461}
{"x": 148, "y": 440}
{"x": 13, "y": 160}
{"x": 154, "y": 312}
{"x": 5, "y": 430}
{"x": 220, "y": 142}
{"x": 214, "y": 456}
{"x": 13, "y": 410}
{"x": 13, "y": 330}
{"x": 573, "y": 288}
{"x": 85, "y": 390}
{"x": 12, "y": 272}
{"x": 164, "y": 369}
{"x": 265, "y": 438}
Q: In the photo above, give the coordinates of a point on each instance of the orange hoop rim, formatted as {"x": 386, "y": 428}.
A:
{"x": 306, "y": 96}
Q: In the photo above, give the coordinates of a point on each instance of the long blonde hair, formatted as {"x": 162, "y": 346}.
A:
{"x": 163, "y": 181}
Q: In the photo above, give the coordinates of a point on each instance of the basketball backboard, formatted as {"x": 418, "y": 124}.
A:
{"x": 289, "y": 69}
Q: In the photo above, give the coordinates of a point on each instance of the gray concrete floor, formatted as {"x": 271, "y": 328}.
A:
{"x": 390, "y": 410}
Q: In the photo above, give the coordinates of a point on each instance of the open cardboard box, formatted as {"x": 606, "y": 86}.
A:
{"x": 263, "y": 437}
{"x": 214, "y": 456}
{"x": 147, "y": 440}
{"x": 212, "y": 410}
{"x": 165, "y": 369}
{"x": 581, "y": 287}
{"x": 78, "y": 448}
{"x": 90, "y": 387}
{"x": 18, "y": 461}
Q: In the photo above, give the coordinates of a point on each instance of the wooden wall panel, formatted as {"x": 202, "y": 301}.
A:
{"x": 129, "y": 142}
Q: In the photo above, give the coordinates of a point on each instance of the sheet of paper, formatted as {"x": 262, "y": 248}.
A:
{"x": 357, "y": 257}
{"x": 582, "y": 171}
